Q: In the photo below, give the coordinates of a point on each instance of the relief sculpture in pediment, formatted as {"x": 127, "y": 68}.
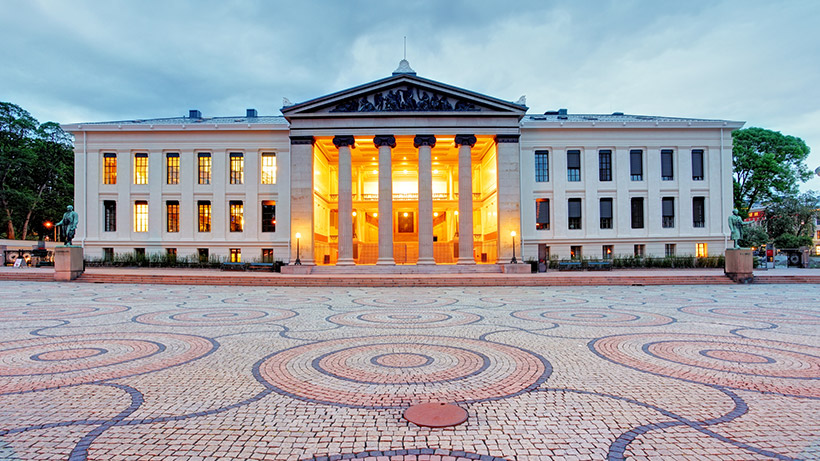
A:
{"x": 407, "y": 99}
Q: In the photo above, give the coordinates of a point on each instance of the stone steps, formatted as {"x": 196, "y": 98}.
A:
{"x": 28, "y": 276}
{"x": 787, "y": 279}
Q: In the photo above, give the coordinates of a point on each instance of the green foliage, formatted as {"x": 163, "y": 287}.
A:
{"x": 668, "y": 262}
{"x": 790, "y": 220}
{"x": 132, "y": 259}
{"x": 766, "y": 164}
{"x": 754, "y": 236}
{"x": 792, "y": 241}
{"x": 36, "y": 172}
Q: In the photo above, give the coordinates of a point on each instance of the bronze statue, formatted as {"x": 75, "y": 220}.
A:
{"x": 69, "y": 223}
{"x": 736, "y": 227}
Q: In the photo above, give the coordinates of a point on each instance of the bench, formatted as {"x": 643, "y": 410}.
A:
{"x": 261, "y": 267}
{"x": 233, "y": 266}
{"x": 599, "y": 265}
{"x": 569, "y": 265}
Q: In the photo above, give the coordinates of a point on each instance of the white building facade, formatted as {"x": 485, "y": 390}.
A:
{"x": 404, "y": 170}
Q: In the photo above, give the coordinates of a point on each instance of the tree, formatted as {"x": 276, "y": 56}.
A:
{"x": 36, "y": 169}
{"x": 754, "y": 236}
{"x": 790, "y": 220}
{"x": 766, "y": 164}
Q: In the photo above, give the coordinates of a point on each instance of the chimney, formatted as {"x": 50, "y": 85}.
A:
{"x": 193, "y": 113}
{"x": 562, "y": 112}
{"x": 250, "y": 113}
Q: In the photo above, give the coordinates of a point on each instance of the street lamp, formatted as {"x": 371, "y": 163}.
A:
{"x": 512, "y": 234}
{"x": 48, "y": 225}
{"x": 298, "y": 261}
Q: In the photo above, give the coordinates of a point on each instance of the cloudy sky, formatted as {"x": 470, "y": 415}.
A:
{"x": 749, "y": 60}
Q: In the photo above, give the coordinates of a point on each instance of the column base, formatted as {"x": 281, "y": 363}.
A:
{"x": 345, "y": 262}
{"x": 426, "y": 262}
{"x": 465, "y": 261}
{"x": 385, "y": 262}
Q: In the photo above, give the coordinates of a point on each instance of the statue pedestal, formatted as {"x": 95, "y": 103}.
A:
{"x": 739, "y": 265}
{"x": 68, "y": 263}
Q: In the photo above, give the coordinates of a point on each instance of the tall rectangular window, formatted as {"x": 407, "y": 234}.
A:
{"x": 203, "y": 254}
{"x": 172, "y": 215}
{"x": 636, "y": 164}
{"x": 668, "y": 212}
{"x": 606, "y": 252}
{"x": 108, "y": 254}
{"x": 267, "y": 255}
{"x": 269, "y": 216}
{"x": 237, "y": 215}
{"x": 670, "y": 250}
{"x": 268, "y": 168}
{"x": 639, "y": 251}
{"x": 697, "y": 164}
{"x": 573, "y": 165}
{"x": 542, "y": 166}
{"x": 542, "y": 214}
{"x": 236, "y": 255}
{"x": 109, "y": 168}
{"x": 605, "y": 165}
{"x": 140, "y": 168}
{"x": 204, "y": 215}
{"x": 637, "y": 212}
{"x": 204, "y": 167}
{"x": 605, "y": 207}
{"x": 574, "y": 213}
{"x": 172, "y": 168}
{"x": 140, "y": 216}
{"x": 237, "y": 168}
{"x": 698, "y": 212}
{"x": 701, "y": 250}
{"x": 576, "y": 252}
{"x": 667, "y": 165}
{"x": 110, "y": 207}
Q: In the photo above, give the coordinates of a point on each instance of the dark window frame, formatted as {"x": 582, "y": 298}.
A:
{"x": 697, "y": 164}
{"x": 172, "y": 168}
{"x": 605, "y": 218}
{"x": 542, "y": 214}
{"x": 574, "y": 222}
{"x": 667, "y": 164}
{"x": 172, "y": 216}
{"x": 605, "y": 165}
{"x": 268, "y": 216}
{"x": 668, "y": 212}
{"x": 236, "y": 164}
{"x": 542, "y": 166}
{"x": 204, "y": 168}
{"x": 203, "y": 213}
{"x": 699, "y": 212}
{"x": 236, "y": 213}
{"x": 110, "y": 216}
{"x": 636, "y": 212}
{"x": 573, "y": 165}
{"x": 636, "y": 164}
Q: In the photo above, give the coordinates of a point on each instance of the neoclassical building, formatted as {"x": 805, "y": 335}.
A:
{"x": 404, "y": 170}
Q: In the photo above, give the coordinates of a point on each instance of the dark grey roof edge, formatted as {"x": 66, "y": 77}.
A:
{"x": 618, "y": 118}
{"x": 238, "y": 120}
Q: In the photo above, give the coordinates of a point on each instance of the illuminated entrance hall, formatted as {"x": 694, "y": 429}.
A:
{"x": 427, "y": 216}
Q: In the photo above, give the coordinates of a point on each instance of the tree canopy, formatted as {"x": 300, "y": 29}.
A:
{"x": 767, "y": 164}
{"x": 36, "y": 172}
{"x": 790, "y": 220}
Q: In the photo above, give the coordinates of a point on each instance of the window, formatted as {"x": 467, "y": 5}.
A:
{"x": 574, "y": 213}
{"x": 606, "y": 252}
{"x": 605, "y": 208}
{"x": 697, "y": 164}
{"x": 667, "y": 166}
{"x": 140, "y": 168}
{"x": 268, "y": 168}
{"x": 542, "y": 214}
{"x": 237, "y": 210}
{"x": 576, "y": 252}
{"x": 605, "y": 165}
{"x": 701, "y": 250}
{"x": 110, "y": 207}
{"x": 139, "y": 253}
{"x": 236, "y": 255}
{"x": 542, "y": 167}
{"x": 140, "y": 216}
{"x": 668, "y": 212}
{"x": 203, "y": 254}
{"x": 269, "y": 216}
{"x": 108, "y": 254}
{"x": 698, "y": 212}
{"x": 636, "y": 164}
{"x": 204, "y": 167}
{"x": 267, "y": 255}
{"x": 172, "y": 215}
{"x": 637, "y": 212}
{"x": 817, "y": 235}
{"x": 404, "y": 223}
{"x": 204, "y": 214}
{"x": 817, "y": 250}
{"x": 171, "y": 251}
{"x": 573, "y": 165}
{"x": 172, "y": 168}
{"x": 109, "y": 168}
{"x": 237, "y": 168}
{"x": 670, "y": 250}
{"x": 640, "y": 251}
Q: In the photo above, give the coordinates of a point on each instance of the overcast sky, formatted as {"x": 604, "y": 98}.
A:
{"x": 80, "y": 61}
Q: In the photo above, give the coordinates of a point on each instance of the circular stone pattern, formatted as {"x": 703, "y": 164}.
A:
{"x": 45, "y": 363}
{"x": 217, "y": 316}
{"x": 167, "y": 298}
{"x": 404, "y": 319}
{"x": 534, "y": 300}
{"x": 396, "y": 371}
{"x": 738, "y": 363}
{"x": 778, "y": 315}
{"x": 405, "y": 301}
{"x": 594, "y": 317}
{"x": 58, "y": 311}
{"x": 278, "y": 300}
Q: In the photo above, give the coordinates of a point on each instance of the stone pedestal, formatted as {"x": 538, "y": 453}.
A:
{"x": 739, "y": 264}
{"x": 521, "y": 268}
{"x": 68, "y": 263}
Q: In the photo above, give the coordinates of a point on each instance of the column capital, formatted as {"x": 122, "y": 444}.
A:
{"x": 340, "y": 141}
{"x": 511, "y": 138}
{"x": 424, "y": 140}
{"x": 384, "y": 140}
{"x": 296, "y": 140}
{"x": 465, "y": 140}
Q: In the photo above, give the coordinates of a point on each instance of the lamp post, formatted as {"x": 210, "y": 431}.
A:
{"x": 512, "y": 234}
{"x": 298, "y": 261}
{"x": 48, "y": 225}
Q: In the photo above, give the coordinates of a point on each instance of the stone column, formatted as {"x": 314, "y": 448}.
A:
{"x": 509, "y": 196}
{"x": 465, "y": 143}
{"x": 425, "y": 144}
{"x": 301, "y": 198}
{"x": 344, "y": 144}
{"x": 385, "y": 144}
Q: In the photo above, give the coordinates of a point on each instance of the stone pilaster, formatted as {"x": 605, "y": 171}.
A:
{"x": 425, "y": 144}
{"x": 509, "y": 195}
{"x": 465, "y": 143}
{"x": 385, "y": 144}
{"x": 301, "y": 198}
{"x": 344, "y": 144}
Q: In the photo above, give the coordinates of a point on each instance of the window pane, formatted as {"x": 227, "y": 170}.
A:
{"x": 698, "y": 212}
{"x": 237, "y": 168}
{"x": 542, "y": 172}
{"x": 109, "y": 168}
{"x": 237, "y": 216}
{"x": 637, "y": 212}
{"x": 697, "y": 164}
{"x": 404, "y": 223}
{"x": 636, "y": 164}
{"x": 269, "y": 216}
{"x": 268, "y": 168}
{"x": 140, "y": 168}
{"x": 542, "y": 214}
{"x": 140, "y": 216}
{"x": 605, "y": 165}
{"x": 204, "y": 168}
{"x": 204, "y": 215}
{"x": 110, "y": 207}
{"x": 606, "y": 213}
{"x": 574, "y": 213}
{"x": 667, "y": 167}
{"x": 668, "y": 212}
{"x": 172, "y": 214}
{"x": 172, "y": 168}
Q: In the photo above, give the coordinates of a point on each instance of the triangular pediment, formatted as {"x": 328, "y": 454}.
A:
{"x": 404, "y": 95}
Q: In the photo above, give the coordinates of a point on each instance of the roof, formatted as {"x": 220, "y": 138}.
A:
{"x": 621, "y": 119}
{"x": 239, "y": 120}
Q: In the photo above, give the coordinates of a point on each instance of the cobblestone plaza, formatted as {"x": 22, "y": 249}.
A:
{"x": 97, "y": 371}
